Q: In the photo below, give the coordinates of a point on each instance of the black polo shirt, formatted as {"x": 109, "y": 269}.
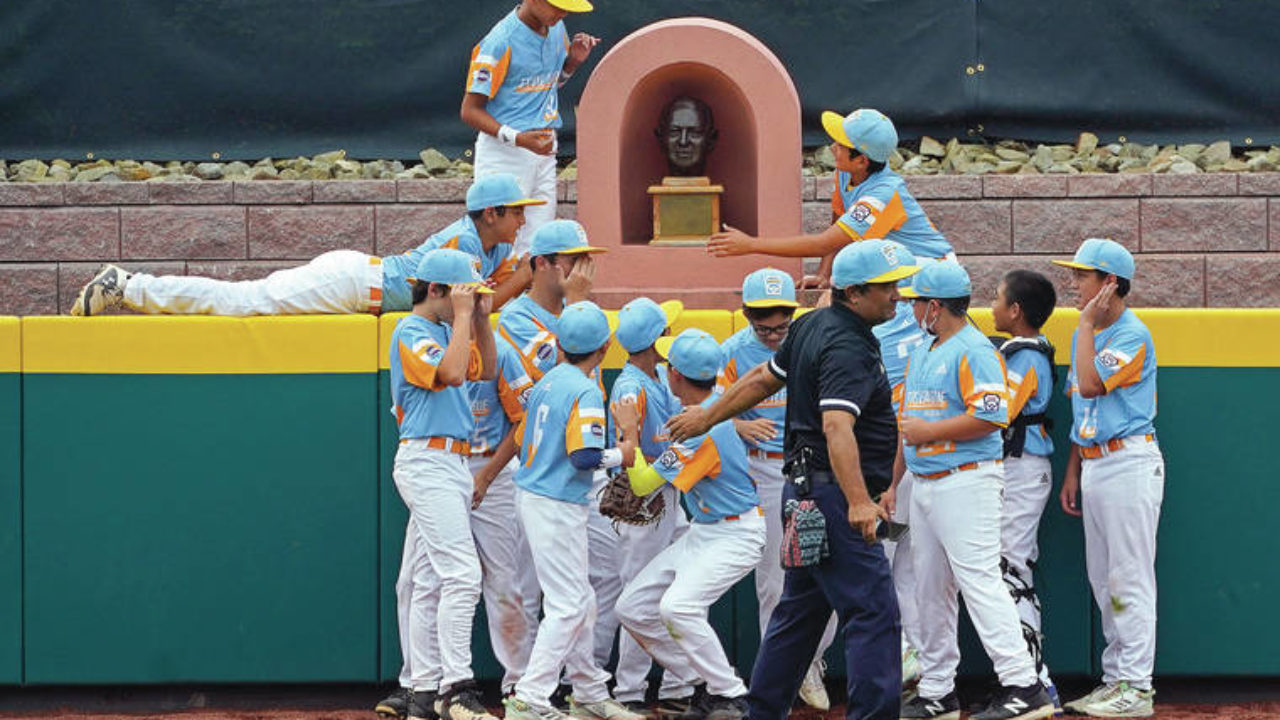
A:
{"x": 831, "y": 361}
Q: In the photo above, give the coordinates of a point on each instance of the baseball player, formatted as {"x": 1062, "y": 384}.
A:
{"x": 643, "y": 383}
{"x": 512, "y": 98}
{"x": 665, "y": 607}
{"x": 1023, "y": 303}
{"x": 562, "y": 443}
{"x": 1116, "y": 466}
{"x": 873, "y": 202}
{"x": 769, "y": 303}
{"x": 954, "y": 401}
{"x": 562, "y": 265}
{"x": 340, "y": 281}
{"x": 444, "y": 342}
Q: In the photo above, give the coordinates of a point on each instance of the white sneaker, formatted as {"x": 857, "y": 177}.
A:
{"x": 1122, "y": 700}
{"x": 813, "y": 691}
{"x": 1077, "y": 705}
{"x": 104, "y": 291}
{"x": 607, "y": 709}
{"x": 514, "y": 709}
{"x": 910, "y": 668}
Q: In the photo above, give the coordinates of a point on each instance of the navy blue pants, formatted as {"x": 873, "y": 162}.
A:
{"x": 857, "y": 583}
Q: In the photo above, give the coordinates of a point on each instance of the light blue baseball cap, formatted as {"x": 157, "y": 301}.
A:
{"x": 561, "y": 237}
{"x": 871, "y": 261}
{"x": 939, "y": 281}
{"x": 642, "y": 321}
{"x": 497, "y": 190}
{"x": 1102, "y": 254}
{"x": 865, "y": 130}
{"x": 582, "y": 328}
{"x": 449, "y": 267}
{"x": 694, "y": 353}
{"x": 769, "y": 287}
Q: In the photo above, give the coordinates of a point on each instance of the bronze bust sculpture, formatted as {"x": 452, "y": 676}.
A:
{"x": 687, "y": 134}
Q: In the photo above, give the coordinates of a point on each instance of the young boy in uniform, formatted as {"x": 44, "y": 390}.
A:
{"x": 1116, "y": 466}
{"x": 1023, "y": 303}
{"x": 446, "y": 341}
{"x": 643, "y": 383}
{"x": 769, "y": 303}
{"x": 562, "y": 444}
{"x": 954, "y": 401}
{"x": 665, "y": 607}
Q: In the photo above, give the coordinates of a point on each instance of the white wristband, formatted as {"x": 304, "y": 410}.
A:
{"x": 507, "y": 135}
{"x": 564, "y": 78}
{"x": 610, "y": 458}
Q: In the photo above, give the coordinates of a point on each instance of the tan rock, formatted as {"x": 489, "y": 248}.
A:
{"x": 931, "y": 147}
{"x": 1190, "y": 151}
{"x": 1182, "y": 166}
{"x": 1062, "y": 153}
{"x": 1018, "y": 156}
{"x": 1235, "y": 165}
{"x": 1086, "y": 143}
{"x": 1008, "y": 167}
{"x": 331, "y": 157}
{"x": 1216, "y": 154}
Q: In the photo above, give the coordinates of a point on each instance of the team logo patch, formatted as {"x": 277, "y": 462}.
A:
{"x": 545, "y": 351}
{"x": 597, "y": 429}
{"x": 990, "y": 402}
{"x": 773, "y": 285}
{"x": 890, "y": 254}
{"x": 669, "y": 458}
{"x": 861, "y": 213}
{"x": 524, "y": 395}
{"x": 434, "y": 353}
{"x": 475, "y": 265}
{"x": 582, "y": 233}
{"x": 483, "y": 75}
{"x": 1108, "y": 359}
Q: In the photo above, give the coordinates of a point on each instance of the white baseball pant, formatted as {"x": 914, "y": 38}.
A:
{"x": 535, "y": 173}
{"x": 637, "y": 547}
{"x": 665, "y": 607}
{"x": 439, "y": 582}
{"x": 505, "y": 562}
{"x": 602, "y": 551}
{"x": 1121, "y": 494}
{"x": 1028, "y": 481}
{"x": 768, "y": 477}
{"x": 337, "y": 282}
{"x": 955, "y": 521}
{"x": 904, "y": 571}
{"x": 557, "y": 534}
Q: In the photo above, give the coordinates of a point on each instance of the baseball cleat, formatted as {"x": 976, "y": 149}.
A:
{"x": 1122, "y": 700}
{"x": 462, "y": 702}
{"x": 516, "y": 709}
{"x": 395, "y": 706}
{"x": 422, "y": 706}
{"x": 1018, "y": 703}
{"x": 103, "y": 292}
{"x": 813, "y": 691}
{"x": 1077, "y": 706}
{"x": 726, "y": 708}
{"x": 692, "y": 707}
{"x": 607, "y": 709}
{"x": 641, "y": 708}
{"x": 923, "y": 708}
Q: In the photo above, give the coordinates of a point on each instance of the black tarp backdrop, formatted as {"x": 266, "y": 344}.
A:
{"x": 184, "y": 79}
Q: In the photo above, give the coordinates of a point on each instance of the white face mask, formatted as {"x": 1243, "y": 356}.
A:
{"x": 925, "y": 324}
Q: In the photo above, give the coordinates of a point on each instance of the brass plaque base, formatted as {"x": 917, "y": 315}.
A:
{"x": 686, "y": 211}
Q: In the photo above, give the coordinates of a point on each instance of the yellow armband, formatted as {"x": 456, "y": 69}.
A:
{"x": 644, "y": 479}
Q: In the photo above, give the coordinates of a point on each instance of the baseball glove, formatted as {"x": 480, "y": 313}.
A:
{"x": 620, "y": 503}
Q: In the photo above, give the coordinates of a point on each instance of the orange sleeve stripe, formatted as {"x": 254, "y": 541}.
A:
{"x": 500, "y": 73}
{"x": 1130, "y": 373}
{"x": 705, "y": 463}
{"x": 526, "y": 362}
{"x": 504, "y": 271}
{"x": 510, "y": 401}
{"x": 888, "y": 220}
{"x": 475, "y": 364}
{"x": 1026, "y": 390}
{"x": 418, "y": 371}
{"x": 729, "y": 375}
{"x": 965, "y": 376}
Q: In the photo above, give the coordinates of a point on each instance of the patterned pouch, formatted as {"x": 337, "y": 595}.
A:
{"x": 804, "y": 535}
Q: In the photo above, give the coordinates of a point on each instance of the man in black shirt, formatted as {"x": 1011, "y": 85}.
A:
{"x": 840, "y": 442}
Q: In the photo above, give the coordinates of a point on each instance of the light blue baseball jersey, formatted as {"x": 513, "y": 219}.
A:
{"x": 1126, "y": 361}
{"x": 498, "y": 404}
{"x": 898, "y": 338}
{"x": 1030, "y": 381}
{"x": 743, "y": 351}
{"x": 711, "y": 470}
{"x": 565, "y": 412}
{"x": 964, "y": 375}
{"x": 497, "y": 264}
{"x": 655, "y": 401}
{"x": 531, "y": 330}
{"x": 883, "y": 207}
{"x": 425, "y": 407}
{"x": 519, "y": 71}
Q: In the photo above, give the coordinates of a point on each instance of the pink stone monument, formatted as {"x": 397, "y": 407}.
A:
{"x": 756, "y": 159}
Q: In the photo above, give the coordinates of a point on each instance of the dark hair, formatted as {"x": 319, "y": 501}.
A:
{"x": 956, "y": 306}
{"x": 475, "y": 215}
{"x": 420, "y": 291}
{"x": 1032, "y": 292}
{"x": 1122, "y": 284}
{"x": 756, "y": 314}
{"x": 575, "y": 358}
{"x": 873, "y": 167}
{"x": 549, "y": 259}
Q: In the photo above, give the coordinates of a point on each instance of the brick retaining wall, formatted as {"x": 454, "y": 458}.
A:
{"x": 1202, "y": 240}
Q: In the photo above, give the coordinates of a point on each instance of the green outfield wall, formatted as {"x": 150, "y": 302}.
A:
{"x": 210, "y": 500}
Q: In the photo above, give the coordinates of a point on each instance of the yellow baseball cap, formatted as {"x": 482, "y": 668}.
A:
{"x": 572, "y": 5}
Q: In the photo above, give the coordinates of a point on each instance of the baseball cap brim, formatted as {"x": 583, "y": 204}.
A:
{"x": 525, "y": 202}
{"x": 480, "y": 287}
{"x": 1073, "y": 264}
{"x": 573, "y": 5}
{"x": 909, "y": 293}
{"x": 583, "y": 250}
{"x": 833, "y": 123}
{"x": 673, "y": 310}
{"x": 771, "y": 302}
{"x": 896, "y": 274}
{"x": 663, "y": 345}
